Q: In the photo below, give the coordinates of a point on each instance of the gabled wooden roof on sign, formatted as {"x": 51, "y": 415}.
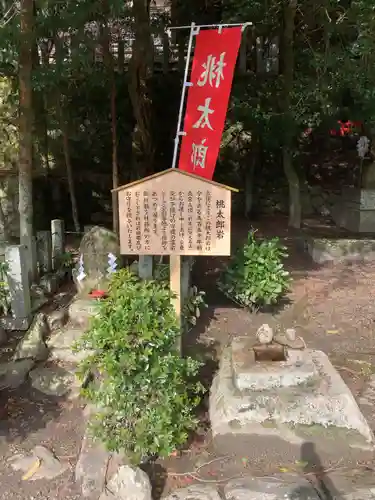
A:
{"x": 176, "y": 170}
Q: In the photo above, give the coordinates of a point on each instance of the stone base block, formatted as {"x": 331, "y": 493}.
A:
{"x": 355, "y": 210}
{"x": 323, "y": 415}
{"x": 296, "y": 370}
{"x": 323, "y": 250}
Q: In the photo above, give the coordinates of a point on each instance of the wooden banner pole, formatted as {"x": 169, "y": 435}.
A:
{"x": 175, "y": 287}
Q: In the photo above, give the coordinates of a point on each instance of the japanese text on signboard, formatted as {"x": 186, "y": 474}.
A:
{"x": 171, "y": 221}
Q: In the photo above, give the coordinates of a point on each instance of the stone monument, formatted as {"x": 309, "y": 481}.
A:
{"x": 274, "y": 397}
{"x": 355, "y": 210}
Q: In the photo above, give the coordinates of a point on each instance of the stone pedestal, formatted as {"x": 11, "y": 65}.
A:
{"x": 355, "y": 210}
{"x": 276, "y": 408}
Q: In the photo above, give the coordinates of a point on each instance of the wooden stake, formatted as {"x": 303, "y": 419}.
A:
{"x": 175, "y": 284}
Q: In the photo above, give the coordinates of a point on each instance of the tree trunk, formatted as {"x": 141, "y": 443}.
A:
{"x": 141, "y": 68}
{"x": 290, "y": 7}
{"x": 69, "y": 170}
{"x": 26, "y": 126}
{"x": 109, "y": 63}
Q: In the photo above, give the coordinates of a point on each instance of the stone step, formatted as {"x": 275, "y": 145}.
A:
{"x": 61, "y": 346}
{"x": 54, "y": 380}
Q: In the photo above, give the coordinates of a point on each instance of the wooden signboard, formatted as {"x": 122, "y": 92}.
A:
{"x": 175, "y": 213}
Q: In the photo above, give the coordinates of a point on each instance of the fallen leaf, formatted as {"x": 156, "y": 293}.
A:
{"x": 283, "y": 469}
{"x": 301, "y": 463}
{"x": 32, "y": 470}
{"x": 332, "y": 332}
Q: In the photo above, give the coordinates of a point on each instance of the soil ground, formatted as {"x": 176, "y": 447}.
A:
{"x": 333, "y": 309}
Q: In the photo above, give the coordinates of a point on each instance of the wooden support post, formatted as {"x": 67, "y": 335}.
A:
{"x": 175, "y": 286}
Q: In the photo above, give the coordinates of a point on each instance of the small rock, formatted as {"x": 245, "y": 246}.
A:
{"x": 288, "y": 486}
{"x": 54, "y": 380}
{"x": 91, "y": 468}
{"x": 195, "y": 492}
{"x": 49, "y": 468}
{"x": 62, "y": 343}
{"x": 14, "y": 373}
{"x": 264, "y": 334}
{"x": 57, "y": 319}
{"x": 3, "y": 336}
{"x": 290, "y": 334}
{"x": 297, "y": 343}
{"x": 33, "y": 345}
{"x": 129, "y": 483}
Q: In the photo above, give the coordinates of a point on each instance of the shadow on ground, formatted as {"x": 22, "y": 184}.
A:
{"x": 25, "y": 411}
{"x": 316, "y": 475}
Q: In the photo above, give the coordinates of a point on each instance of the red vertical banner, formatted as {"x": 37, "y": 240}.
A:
{"x": 211, "y": 80}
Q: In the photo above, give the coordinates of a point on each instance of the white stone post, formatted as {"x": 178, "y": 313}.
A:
{"x": 145, "y": 267}
{"x": 44, "y": 251}
{"x": 58, "y": 241}
{"x": 19, "y": 284}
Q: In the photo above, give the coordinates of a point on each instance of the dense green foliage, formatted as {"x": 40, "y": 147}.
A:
{"x": 145, "y": 391}
{"x": 255, "y": 276}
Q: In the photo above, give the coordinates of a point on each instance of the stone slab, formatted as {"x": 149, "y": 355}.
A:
{"x": 61, "y": 346}
{"x": 14, "y": 373}
{"x": 50, "y": 467}
{"x": 324, "y": 250}
{"x": 82, "y": 310}
{"x": 288, "y": 486}
{"x": 91, "y": 468}
{"x": 324, "y": 415}
{"x": 10, "y": 323}
{"x": 195, "y": 492}
{"x": 54, "y": 381}
{"x": 298, "y": 369}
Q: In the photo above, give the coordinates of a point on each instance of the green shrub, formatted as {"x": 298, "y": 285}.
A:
{"x": 255, "y": 276}
{"x": 145, "y": 390}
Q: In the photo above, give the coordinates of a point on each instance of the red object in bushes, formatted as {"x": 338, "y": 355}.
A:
{"x": 98, "y": 294}
{"x": 347, "y": 128}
